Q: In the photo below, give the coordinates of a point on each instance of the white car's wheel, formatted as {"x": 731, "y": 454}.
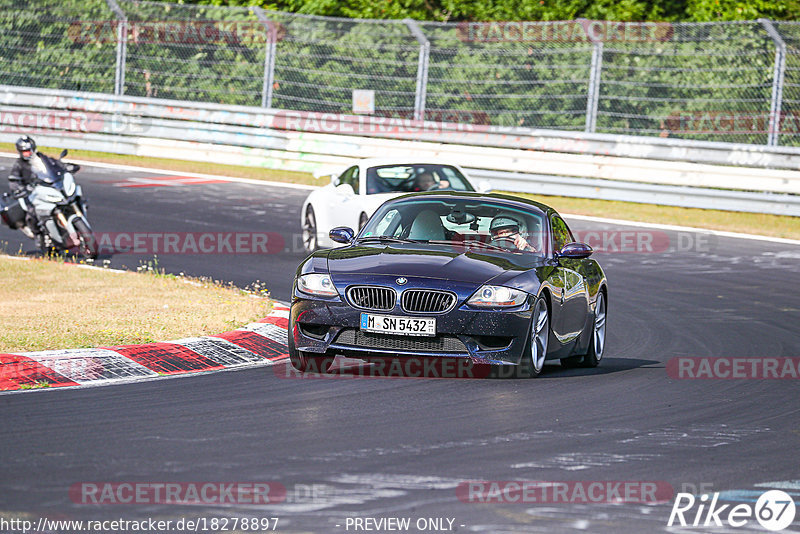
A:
{"x": 310, "y": 230}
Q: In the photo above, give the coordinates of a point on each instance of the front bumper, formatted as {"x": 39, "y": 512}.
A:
{"x": 332, "y": 327}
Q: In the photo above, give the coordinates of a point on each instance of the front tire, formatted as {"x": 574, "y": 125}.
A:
{"x": 88, "y": 246}
{"x": 310, "y": 243}
{"x": 532, "y": 362}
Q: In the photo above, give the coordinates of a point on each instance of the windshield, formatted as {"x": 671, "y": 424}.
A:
{"x": 408, "y": 178}
{"x": 458, "y": 222}
{"x": 48, "y": 169}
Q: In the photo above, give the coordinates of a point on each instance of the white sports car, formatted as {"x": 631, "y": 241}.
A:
{"x": 354, "y": 195}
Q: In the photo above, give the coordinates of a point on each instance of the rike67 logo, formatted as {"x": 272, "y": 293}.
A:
{"x": 774, "y": 510}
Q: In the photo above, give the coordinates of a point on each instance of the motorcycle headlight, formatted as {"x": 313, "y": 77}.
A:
{"x": 316, "y": 284}
{"x": 69, "y": 185}
{"x": 497, "y": 297}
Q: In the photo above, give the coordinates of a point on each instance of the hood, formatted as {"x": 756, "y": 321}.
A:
{"x": 443, "y": 262}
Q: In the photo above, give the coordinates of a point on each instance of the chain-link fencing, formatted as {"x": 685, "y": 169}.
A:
{"x": 731, "y": 82}
{"x": 38, "y": 46}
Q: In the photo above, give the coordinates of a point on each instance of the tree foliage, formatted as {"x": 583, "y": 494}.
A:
{"x": 495, "y": 10}
{"x": 687, "y": 81}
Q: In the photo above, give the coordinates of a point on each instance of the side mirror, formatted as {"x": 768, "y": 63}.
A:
{"x": 327, "y": 171}
{"x": 575, "y": 251}
{"x": 342, "y": 234}
{"x": 63, "y": 153}
{"x": 484, "y": 186}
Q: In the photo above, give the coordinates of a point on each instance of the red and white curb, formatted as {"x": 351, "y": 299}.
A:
{"x": 260, "y": 343}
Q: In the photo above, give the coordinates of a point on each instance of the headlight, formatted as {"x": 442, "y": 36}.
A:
{"x": 69, "y": 187}
{"x": 316, "y": 284}
{"x": 497, "y": 297}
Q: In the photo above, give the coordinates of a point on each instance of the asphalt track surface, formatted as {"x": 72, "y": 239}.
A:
{"x": 126, "y": 205}
{"x": 377, "y": 447}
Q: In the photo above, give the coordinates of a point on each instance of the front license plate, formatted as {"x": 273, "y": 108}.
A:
{"x": 392, "y": 324}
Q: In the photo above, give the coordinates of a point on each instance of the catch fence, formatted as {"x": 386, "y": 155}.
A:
{"x": 735, "y": 82}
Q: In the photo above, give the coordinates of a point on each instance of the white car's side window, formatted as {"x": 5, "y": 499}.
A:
{"x": 350, "y": 177}
{"x": 354, "y": 180}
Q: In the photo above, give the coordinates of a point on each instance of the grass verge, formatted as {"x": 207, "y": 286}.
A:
{"x": 727, "y": 221}
{"x": 53, "y": 305}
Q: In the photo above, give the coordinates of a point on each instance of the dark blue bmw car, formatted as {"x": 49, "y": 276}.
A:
{"x": 495, "y": 279}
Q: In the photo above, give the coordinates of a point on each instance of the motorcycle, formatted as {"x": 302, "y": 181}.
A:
{"x": 60, "y": 209}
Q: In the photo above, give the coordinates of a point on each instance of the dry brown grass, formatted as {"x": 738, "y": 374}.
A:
{"x": 728, "y": 221}
{"x": 52, "y": 305}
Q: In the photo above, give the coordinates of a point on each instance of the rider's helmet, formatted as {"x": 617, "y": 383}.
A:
{"x": 26, "y": 147}
{"x": 503, "y": 222}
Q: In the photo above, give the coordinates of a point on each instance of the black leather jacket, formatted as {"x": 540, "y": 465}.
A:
{"x": 21, "y": 176}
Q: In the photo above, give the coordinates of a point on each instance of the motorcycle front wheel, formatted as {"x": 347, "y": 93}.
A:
{"x": 88, "y": 245}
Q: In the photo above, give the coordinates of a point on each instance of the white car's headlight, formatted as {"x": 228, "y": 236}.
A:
{"x": 316, "y": 284}
{"x": 497, "y": 297}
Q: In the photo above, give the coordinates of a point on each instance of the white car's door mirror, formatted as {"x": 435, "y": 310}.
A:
{"x": 484, "y": 186}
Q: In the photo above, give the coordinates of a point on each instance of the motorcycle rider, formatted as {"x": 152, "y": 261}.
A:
{"x": 22, "y": 178}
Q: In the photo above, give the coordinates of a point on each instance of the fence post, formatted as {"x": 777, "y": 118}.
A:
{"x": 778, "y": 71}
{"x": 269, "y": 57}
{"x": 595, "y": 69}
{"x": 122, "y": 46}
{"x": 422, "y": 69}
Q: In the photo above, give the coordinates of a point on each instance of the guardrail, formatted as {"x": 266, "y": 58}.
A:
{"x": 664, "y": 171}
